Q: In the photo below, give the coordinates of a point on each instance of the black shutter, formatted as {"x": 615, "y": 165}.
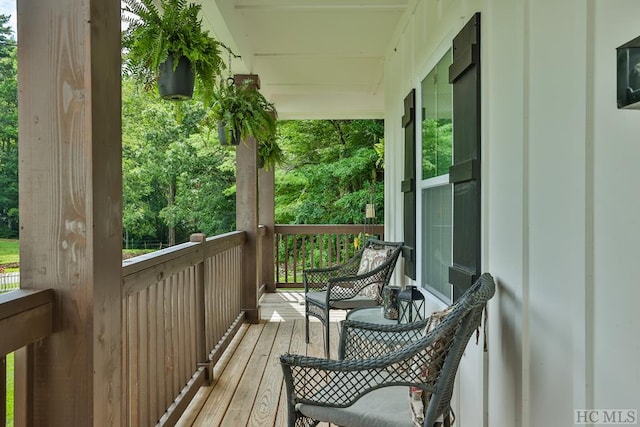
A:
{"x": 409, "y": 184}
{"x": 464, "y": 174}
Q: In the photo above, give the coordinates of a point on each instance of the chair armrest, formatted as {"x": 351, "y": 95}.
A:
{"x": 339, "y": 383}
{"x": 361, "y": 340}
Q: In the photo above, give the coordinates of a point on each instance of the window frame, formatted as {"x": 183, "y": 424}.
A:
{"x": 422, "y": 184}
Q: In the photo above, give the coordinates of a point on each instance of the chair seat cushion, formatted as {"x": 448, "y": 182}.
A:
{"x": 384, "y": 407}
{"x": 320, "y": 298}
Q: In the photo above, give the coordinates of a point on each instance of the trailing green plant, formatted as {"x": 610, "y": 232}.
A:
{"x": 270, "y": 154}
{"x": 243, "y": 112}
{"x": 153, "y": 33}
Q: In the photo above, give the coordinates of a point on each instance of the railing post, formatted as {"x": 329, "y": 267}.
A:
{"x": 266, "y": 216}
{"x": 201, "y": 338}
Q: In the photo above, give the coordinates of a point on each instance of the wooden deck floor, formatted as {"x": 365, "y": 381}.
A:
{"x": 248, "y": 389}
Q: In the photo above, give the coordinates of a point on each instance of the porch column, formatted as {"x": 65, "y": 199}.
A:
{"x": 247, "y": 214}
{"x": 70, "y": 208}
{"x": 266, "y": 213}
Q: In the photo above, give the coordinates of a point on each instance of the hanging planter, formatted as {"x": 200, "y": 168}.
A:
{"x": 159, "y": 32}
{"x": 225, "y": 137}
{"x": 241, "y": 111}
{"x": 176, "y": 81}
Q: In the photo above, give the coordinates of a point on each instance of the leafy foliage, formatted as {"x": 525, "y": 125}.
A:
{"x": 176, "y": 177}
{"x": 153, "y": 33}
{"x": 243, "y": 112}
{"x": 330, "y": 172}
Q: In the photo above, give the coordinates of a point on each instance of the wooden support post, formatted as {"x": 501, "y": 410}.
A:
{"x": 266, "y": 213}
{"x": 247, "y": 216}
{"x": 71, "y": 206}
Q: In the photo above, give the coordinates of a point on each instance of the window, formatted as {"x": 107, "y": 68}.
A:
{"x": 436, "y": 192}
{"x": 437, "y": 120}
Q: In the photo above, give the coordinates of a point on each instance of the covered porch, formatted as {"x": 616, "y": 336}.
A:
{"x": 186, "y": 342}
{"x": 556, "y": 213}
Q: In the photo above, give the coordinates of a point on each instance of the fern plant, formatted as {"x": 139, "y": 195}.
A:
{"x": 174, "y": 28}
{"x": 242, "y": 111}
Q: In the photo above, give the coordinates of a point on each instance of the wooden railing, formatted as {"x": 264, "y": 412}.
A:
{"x": 181, "y": 307}
{"x": 9, "y": 281}
{"x": 26, "y": 316}
{"x": 306, "y": 246}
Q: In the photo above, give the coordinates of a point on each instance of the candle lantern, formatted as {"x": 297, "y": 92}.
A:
{"x": 370, "y": 211}
{"x": 629, "y": 75}
{"x": 410, "y": 305}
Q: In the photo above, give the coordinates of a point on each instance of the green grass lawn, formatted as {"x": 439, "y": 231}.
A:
{"x": 130, "y": 253}
{"x": 9, "y": 251}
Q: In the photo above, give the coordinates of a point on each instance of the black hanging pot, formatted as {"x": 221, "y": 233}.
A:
{"x": 222, "y": 135}
{"x": 176, "y": 85}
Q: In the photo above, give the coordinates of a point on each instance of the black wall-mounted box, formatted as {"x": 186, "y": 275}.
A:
{"x": 629, "y": 75}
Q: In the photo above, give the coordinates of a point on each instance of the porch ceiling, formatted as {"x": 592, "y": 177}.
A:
{"x": 315, "y": 58}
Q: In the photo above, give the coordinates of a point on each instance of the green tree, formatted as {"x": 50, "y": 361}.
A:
{"x": 176, "y": 177}
{"x": 330, "y": 173}
{"x": 8, "y": 131}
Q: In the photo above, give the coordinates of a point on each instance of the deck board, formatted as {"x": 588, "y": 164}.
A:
{"x": 248, "y": 388}
{"x": 239, "y": 409}
{"x": 266, "y": 403}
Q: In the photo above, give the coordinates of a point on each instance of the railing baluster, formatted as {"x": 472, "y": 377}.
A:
{"x": 346, "y": 246}
{"x": 152, "y": 318}
{"x": 142, "y": 355}
{"x": 286, "y": 259}
{"x": 3, "y": 391}
{"x": 304, "y": 252}
{"x": 295, "y": 258}
{"x": 313, "y": 251}
{"x": 276, "y": 250}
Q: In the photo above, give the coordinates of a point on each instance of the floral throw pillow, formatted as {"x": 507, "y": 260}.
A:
{"x": 371, "y": 259}
{"x": 418, "y": 398}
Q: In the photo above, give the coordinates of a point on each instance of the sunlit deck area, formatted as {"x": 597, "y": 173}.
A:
{"x": 248, "y": 388}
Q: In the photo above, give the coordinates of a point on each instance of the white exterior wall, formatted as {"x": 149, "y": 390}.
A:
{"x": 561, "y": 212}
{"x": 616, "y": 212}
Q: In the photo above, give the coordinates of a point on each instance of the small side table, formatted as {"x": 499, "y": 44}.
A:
{"x": 370, "y": 315}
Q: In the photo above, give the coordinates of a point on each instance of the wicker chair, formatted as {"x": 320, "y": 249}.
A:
{"x": 341, "y": 287}
{"x": 369, "y": 386}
